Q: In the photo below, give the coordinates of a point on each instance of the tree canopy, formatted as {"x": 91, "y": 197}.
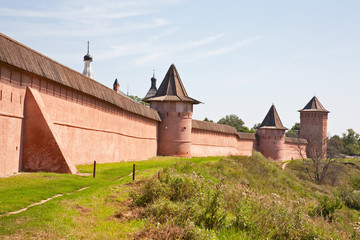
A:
{"x": 294, "y": 131}
{"x": 236, "y": 122}
{"x": 138, "y": 100}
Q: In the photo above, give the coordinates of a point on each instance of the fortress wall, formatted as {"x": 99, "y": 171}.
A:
{"x": 210, "y": 139}
{"x": 89, "y": 128}
{"x": 246, "y": 146}
{"x": 295, "y": 148}
{"x": 208, "y": 143}
{"x": 292, "y": 151}
{"x": 93, "y": 130}
{"x": 11, "y": 115}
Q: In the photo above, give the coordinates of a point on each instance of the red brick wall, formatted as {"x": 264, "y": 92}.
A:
{"x": 294, "y": 151}
{"x": 89, "y": 128}
{"x": 11, "y": 116}
{"x": 211, "y": 143}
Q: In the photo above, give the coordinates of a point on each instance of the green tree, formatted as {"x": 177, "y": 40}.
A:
{"x": 236, "y": 122}
{"x": 207, "y": 120}
{"x": 335, "y": 146}
{"x": 294, "y": 131}
{"x": 138, "y": 100}
{"x": 351, "y": 142}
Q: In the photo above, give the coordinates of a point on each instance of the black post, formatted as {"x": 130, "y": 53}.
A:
{"x": 134, "y": 172}
{"x": 94, "y": 169}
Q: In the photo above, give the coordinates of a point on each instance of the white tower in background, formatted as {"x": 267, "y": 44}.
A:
{"x": 87, "y": 64}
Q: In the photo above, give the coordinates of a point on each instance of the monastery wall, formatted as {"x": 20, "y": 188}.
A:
{"x": 88, "y": 128}
{"x": 95, "y": 130}
{"x": 211, "y": 139}
{"x": 11, "y": 116}
{"x": 295, "y": 148}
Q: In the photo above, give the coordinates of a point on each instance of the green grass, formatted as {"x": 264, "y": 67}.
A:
{"x": 197, "y": 198}
{"x": 58, "y": 217}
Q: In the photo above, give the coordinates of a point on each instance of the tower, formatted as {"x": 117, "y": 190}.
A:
{"x": 271, "y": 136}
{"x": 152, "y": 91}
{"x": 313, "y": 127}
{"x": 175, "y": 108}
{"x": 116, "y": 86}
{"x": 87, "y": 64}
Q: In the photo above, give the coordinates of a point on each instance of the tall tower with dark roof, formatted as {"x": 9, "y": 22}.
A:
{"x": 313, "y": 127}
{"x": 271, "y": 136}
{"x": 175, "y": 108}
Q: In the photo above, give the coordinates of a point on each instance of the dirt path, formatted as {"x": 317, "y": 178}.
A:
{"x": 50, "y": 198}
{"x": 284, "y": 165}
{"x": 41, "y": 202}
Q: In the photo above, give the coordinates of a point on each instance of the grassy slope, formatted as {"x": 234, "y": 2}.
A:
{"x": 255, "y": 191}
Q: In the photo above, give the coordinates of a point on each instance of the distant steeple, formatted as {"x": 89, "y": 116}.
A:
{"x": 116, "y": 86}
{"x": 87, "y": 63}
{"x": 172, "y": 89}
{"x": 272, "y": 120}
{"x": 153, "y": 89}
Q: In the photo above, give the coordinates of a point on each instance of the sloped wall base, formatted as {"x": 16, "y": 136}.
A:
{"x": 42, "y": 148}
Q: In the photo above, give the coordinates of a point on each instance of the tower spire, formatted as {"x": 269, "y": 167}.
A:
{"x": 87, "y": 63}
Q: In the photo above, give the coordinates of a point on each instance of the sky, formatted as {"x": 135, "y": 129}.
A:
{"x": 237, "y": 57}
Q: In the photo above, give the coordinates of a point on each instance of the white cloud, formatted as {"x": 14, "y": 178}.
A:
{"x": 85, "y": 18}
{"x": 223, "y": 50}
{"x": 163, "y": 51}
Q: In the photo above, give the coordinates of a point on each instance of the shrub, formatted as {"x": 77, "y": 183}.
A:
{"x": 212, "y": 216}
{"x": 352, "y": 200}
{"x": 326, "y": 208}
{"x": 149, "y": 192}
{"x": 242, "y": 219}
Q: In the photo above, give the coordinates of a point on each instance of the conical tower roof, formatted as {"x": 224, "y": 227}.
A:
{"x": 172, "y": 89}
{"x": 272, "y": 120}
{"x": 314, "y": 105}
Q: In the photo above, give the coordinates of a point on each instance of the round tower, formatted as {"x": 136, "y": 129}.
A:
{"x": 271, "y": 136}
{"x": 175, "y": 108}
{"x": 313, "y": 127}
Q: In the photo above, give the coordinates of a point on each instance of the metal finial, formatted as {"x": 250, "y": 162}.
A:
{"x": 153, "y": 73}
{"x": 88, "y": 47}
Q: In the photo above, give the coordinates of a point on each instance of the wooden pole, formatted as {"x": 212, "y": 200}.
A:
{"x": 134, "y": 172}
{"x": 94, "y": 169}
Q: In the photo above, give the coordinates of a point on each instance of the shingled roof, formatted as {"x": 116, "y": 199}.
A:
{"x": 172, "y": 89}
{"x": 314, "y": 105}
{"x": 27, "y": 59}
{"x": 272, "y": 120}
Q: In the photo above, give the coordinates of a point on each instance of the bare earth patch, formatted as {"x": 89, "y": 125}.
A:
{"x": 162, "y": 232}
